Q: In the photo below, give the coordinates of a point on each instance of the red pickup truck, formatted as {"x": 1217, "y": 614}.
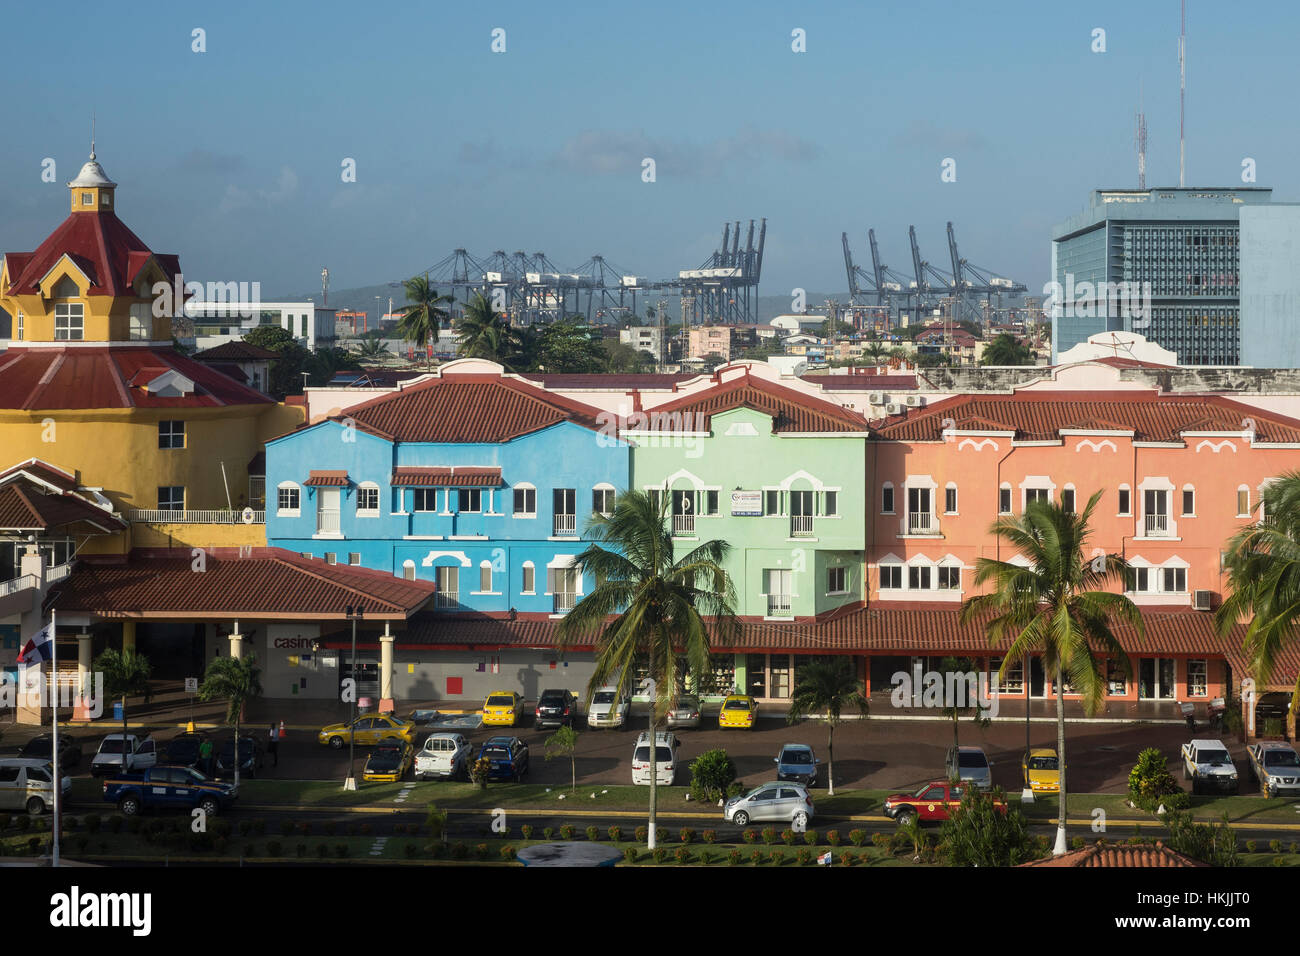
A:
{"x": 932, "y": 803}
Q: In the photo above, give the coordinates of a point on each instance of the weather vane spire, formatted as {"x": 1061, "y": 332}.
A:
{"x": 92, "y": 135}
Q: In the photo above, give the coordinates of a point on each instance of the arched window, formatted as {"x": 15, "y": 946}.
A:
{"x": 288, "y": 500}
{"x": 408, "y": 570}
{"x": 367, "y": 500}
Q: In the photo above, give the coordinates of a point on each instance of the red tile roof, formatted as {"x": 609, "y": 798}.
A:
{"x": 161, "y": 584}
{"x": 610, "y": 381}
{"x": 467, "y": 408}
{"x": 101, "y": 245}
{"x": 23, "y": 507}
{"x": 100, "y": 377}
{"x": 332, "y": 479}
{"x": 64, "y": 480}
{"x": 236, "y": 350}
{"x": 864, "y": 383}
{"x": 1120, "y": 855}
{"x": 460, "y": 476}
{"x": 1040, "y": 416}
{"x": 791, "y": 411}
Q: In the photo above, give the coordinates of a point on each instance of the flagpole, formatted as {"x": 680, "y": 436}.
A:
{"x": 58, "y": 782}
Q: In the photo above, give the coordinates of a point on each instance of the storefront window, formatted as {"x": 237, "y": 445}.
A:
{"x": 1197, "y": 679}
{"x": 1116, "y": 682}
{"x": 756, "y": 675}
{"x": 1014, "y": 681}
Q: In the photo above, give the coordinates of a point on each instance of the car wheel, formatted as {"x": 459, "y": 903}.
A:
{"x": 336, "y": 743}
{"x": 905, "y": 817}
{"x": 209, "y": 806}
{"x": 35, "y": 806}
{"x": 740, "y": 818}
{"x": 801, "y": 820}
{"x": 129, "y": 806}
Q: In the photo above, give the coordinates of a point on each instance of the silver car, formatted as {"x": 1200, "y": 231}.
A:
{"x": 969, "y": 765}
{"x": 771, "y": 801}
{"x": 685, "y": 713}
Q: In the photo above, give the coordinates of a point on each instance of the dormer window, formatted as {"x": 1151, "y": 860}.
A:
{"x": 88, "y": 199}
{"x": 106, "y": 199}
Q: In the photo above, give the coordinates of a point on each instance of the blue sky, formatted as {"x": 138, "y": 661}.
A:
{"x": 232, "y": 157}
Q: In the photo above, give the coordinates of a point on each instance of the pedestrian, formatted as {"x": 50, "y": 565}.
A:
{"x": 205, "y": 756}
{"x": 273, "y": 743}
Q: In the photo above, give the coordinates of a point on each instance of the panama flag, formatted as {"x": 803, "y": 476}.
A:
{"x": 824, "y": 859}
{"x": 37, "y": 650}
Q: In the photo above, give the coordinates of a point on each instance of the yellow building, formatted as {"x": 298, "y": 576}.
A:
{"x": 91, "y": 384}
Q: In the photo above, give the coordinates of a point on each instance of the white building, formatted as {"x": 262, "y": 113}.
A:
{"x": 216, "y": 323}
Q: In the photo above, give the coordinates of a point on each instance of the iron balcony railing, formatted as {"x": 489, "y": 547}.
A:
{"x": 778, "y": 605}
{"x": 154, "y": 516}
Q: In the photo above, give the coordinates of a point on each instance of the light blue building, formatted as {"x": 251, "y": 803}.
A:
{"x": 1175, "y": 265}
{"x": 479, "y": 482}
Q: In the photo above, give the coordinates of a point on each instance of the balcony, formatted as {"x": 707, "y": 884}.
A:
{"x": 683, "y": 525}
{"x": 1157, "y": 526}
{"x": 327, "y": 522}
{"x": 446, "y": 598}
{"x": 801, "y": 526}
{"x": 779, "y": 605}
{"x": 221, "y": 516}
{"x": 565, "y": 601}
{"x": 921, "y": 522}
{"x": 565, "y": 525}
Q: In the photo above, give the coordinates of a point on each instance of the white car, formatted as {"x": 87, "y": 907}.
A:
{"x": 665, "y": 759}
{"x": 140, "y": 754}
{"x": 27, "y": 783}
{"x": 608, "y": 708}
{"x": 443, "y": 755}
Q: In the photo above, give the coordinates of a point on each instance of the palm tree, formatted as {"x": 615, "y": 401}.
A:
{"x": 422, "y": 319}
{"x": 126, "y": 674}
{"x": 960, "y": 666}
{"x": 373, "y": 348}
{"x": 826, "y": 684}
{"x": 646, "y": 605}
{"x": 1263, "y": 565}
{"x": 1055, "y": 607}
{"x": 235, "y": 679}
{"x": 483, "y": 332}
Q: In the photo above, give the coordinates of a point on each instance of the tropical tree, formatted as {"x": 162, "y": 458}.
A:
{"x": 1263, "y": 565}
{"x": 237, "y": 680}
{"x": 876, "y": 349}
{"x": 126, "y": 674}
{"x": 483, "y": 332}
{"x": 564, "y": 743}
{"x": 648, "y": 605}
{"x": 830, "y": 685}
{"x": 568, "y": 346}
{"x": 971, "y": 707}
{"x": 373, "y": 348}
{"x": 423, "y": 317}
{"x": 1056, "y": 606}
{"x": 1006, "y": 350}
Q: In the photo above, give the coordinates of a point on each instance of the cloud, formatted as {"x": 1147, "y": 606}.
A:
{"x": 922, "y": 134}
{"x": 237, "y": 197}
{"x": 205, "y": 161}
{"x": 619, "y": 152}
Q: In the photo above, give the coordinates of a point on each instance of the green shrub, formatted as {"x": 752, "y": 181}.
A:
{"x": 756, "y": 856}
{"x": 660, "y": 854}
{"x": 1150, "y": 783}
{"x": 273, "y": 847}
{"x": 366, "y": 829}
{"x": 750, "y": 836}
{"x": 857, "y": 837}
{"x": 287, "y": 827}
{"x": 93, "y": 822}
{"x": 663, "y": 834}
{"x": 304, "y": 828}
{"x": 1295, "y": 847}
{"x": 259, "y": 827}
{"x": 322, "y": 850}
{"x": 481, "y": 851}
{"x": 630, "y": 854}
{"x": 687, "y": 835}
{"x": 80, "y": 841}
{"x": 880, "y": 840}
{"x": 222, "y": 828}
{"x": 810, "y": 837}
{"x": 459, "y": 851}
{"x": 712, "y": 773}
{"x": 34, "y": 845}
{"x": 683, "y": 855}
{"x": 1078, "y": 843}
{"x": 706, "y": 857}
{"x": 70, "y": 824}
{"x": 330, "y": 827}
{"x": 777, "y": 857}
{"x": 769, "y": 835}
{"x": 833, "y": 837}
{"x": 787, "y": 837}
{"x": 737, "y": 789}
{"x": 1275, "y": 846}
{"x": 804, "y": 856}
{"x": 1252, "y": 846}
{"x": 734, "y": 857}
{"x": 567, "y": 831}
{"x": 199, "y": 842}
{"x": 548, "y": 833}
{"x": 709, "y": 836}
{"x": 5, "y": 820}
{"x": 410, "y": 850}
{"x": 616, "y": 834}
{"x": 527, "y": 831}
{"x": 593, "y": 833}
{"x": 245, "y": 827}
{"x": 24, "y": 823}
{"x": 642, "y": 832}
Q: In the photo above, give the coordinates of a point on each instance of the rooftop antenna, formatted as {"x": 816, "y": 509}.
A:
{"x": 324, "y": 287}
{"x": 1140, "y": 138}
{"x": 92, "y": 135}
{"x": 1182, "y": 95}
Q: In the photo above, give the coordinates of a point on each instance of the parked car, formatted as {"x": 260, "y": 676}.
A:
{"x": 555, "y": 708}
{"x": 181, "y": 788}
{"x": 507, "y": 756}
{"x": 738, "y": 710}
{"x": 41, "y": 747}
{"x": 368, "y": 729}
{"x": 1207, "y": 764}
{"x": 139, "y": 755}
{"x": 27, "y": 783}
{"x": 1275, "y": 767}
{"x": 666, "y": 745}
{"x": 183, "y": 749}
{"x": 502, "y": 708}
{"x": 388, "y": 762}
{"x": 685, "y": 713}
{"x": 609, "y": 707}
{"x": 797, "y": 762}
{"x": 1041, "y": 770}
{"x": 443, "y": 755}
{"x": 969, "y": 765}
{"x": 771, "y": 801}
{"x": 932, "y": 803}
{"x": 251, "y": 757}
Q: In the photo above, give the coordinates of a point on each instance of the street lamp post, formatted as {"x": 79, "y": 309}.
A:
{"x": 353, "y": 615}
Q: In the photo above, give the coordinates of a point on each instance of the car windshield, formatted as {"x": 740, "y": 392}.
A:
{"x": 500, "y": 700}
{"x": 923, "y": 788}
{"x": 738, "y": 705}
{"x": 111, "y": 747}
{"x": 1042, "y": 763}
{"x": 687, "y": 703}
{"x": 796, "y": 756}
{"x": 1215, "y": 758}
{"x": 552, "y": 697}
{"x": 496, "y": 753}
{"x": 604, "y": 697}
{"x": 1281, "y": 758}
{"x": 662, "y": 754}
{"x": 973, "y": 760}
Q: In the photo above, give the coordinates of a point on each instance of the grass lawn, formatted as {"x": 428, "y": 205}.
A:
{"x": 1240, "y": 809}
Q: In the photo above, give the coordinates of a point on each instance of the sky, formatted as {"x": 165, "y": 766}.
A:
{"x": 234, "y": 157}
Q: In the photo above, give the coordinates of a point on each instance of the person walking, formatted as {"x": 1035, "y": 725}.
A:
{"x": 205, "y": 756}
{"x": 273, "y": 743}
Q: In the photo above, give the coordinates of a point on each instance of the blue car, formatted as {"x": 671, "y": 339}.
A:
{"x": 507, "y": 757}
{"x": 797, "y": 762}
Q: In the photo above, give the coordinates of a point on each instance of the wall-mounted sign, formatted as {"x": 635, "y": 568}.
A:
{"x": 747, "y": 504}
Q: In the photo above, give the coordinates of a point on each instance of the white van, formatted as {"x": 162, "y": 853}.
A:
{"x": 608, "y": 708}
{"x": 140, "y": 755}
{"x": 27, "y": 783}
{"x": 665, "y": 759}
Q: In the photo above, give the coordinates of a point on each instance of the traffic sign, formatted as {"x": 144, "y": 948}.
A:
{"x": 191, "y": 685}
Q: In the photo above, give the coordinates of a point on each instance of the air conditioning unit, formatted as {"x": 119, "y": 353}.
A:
{"x": 1201, "y": 600}
{"x": 893, "y": 408}
{"x": 915, "y": 401}
{"x": 876, "y": 398}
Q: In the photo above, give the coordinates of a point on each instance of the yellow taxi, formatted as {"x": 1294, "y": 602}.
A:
{"x": 503, "y": 708}
{"x": 739, "y": 711}
{"x": 1041, "y": 770}
{"x": 388, "y": 762}
{"x": 367, "y": 730}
